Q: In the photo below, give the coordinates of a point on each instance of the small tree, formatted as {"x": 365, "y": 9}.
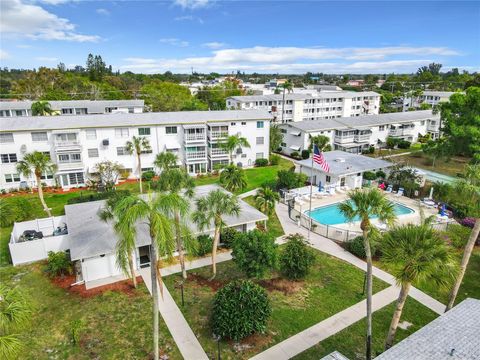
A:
{"x": 289, "y": 180}
{"x": 233, "y": 178}
{"x": 108, "y": 173}
{"x": 255, "y": 252}
{"x": 266, "y": 199}
{"x": 41, "y": 108}
{"x": 240, "y": 309}
{"x": 296, "y": 258}
{"x": 233, "y": 142}
{"x": 136, "y": 147}
{"x": 165, "y": 161}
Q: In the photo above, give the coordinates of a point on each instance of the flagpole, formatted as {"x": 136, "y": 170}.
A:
{"x": 311, "y": 190}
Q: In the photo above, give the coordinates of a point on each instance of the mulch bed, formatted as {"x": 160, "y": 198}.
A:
{"x": 124, "y": 286}
{"x": 214, "y": 284}
{"x": 283, "y": 285}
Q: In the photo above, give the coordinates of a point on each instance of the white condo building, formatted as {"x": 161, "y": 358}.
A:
{"x": 77, "y": 143}
{"x": 314, "y": 106}
{"x": 16, "y": 108}
{"x": 358, "y": 134}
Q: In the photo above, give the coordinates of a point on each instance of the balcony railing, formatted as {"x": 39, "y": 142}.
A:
{"x": 70, "y": 165}
{"x": 196, "y": 137}
{"x": 218, "y": 152}
{"x": 362, "y": 138}
{"x": 400, "y": 132}
{"x": 196, "y": 155}
{"x": 218, "y": 134}
{"x": 67, "y": 143}
{"x": 431, "y": 127}
{"x": 343, "y": 139}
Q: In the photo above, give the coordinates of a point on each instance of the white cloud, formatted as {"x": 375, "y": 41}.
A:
{"x": 22, "y": 19}
{"x": 189, "y": 18}
{"x": 192, "y": 4}
{"x": 4, "y": 55}
{"x": 46, "y": 59}
{"x": 24, "y": 46}
{"x": 103, "y": 12}
{"x": 214, "y": 45}
{"x": 174, "y": 42}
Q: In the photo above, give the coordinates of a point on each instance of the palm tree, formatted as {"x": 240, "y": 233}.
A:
{"x": 210, "y": 209}
{"x": 135, "y": 211}
{"x": 415, "y": 253}
{"x": 266, "y": 199}
{"x": 287, "y": 85}
{"x": 233, "y": 142}
{"x": 233, "y": 178}
{"x": 41, "y": 108}
{"x": 364, "y": 204}
{"x": 137, "y": 146}
{"x": 174, "y": 181}
{"x": 37, "y": 163}
{"x": 15, "y": 312}
{"x": 165, "y": 160}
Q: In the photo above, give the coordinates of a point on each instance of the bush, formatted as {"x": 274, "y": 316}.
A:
{"x": 305, "y": 154}
{"x": 296, "y": 258}
{"x": 240, "y": 309}
{"x": 369, "y": 175}
{"x": 228, "y": 236}
{"x": 380, "y": 174}
{"x": 148, "y": 175}
{"x": 97, "y": 196}
{"x": 58, "y": 263}
{"x": 355, "y": 246}
{"x": 205, "y": 244}
{"x": 290, "y": 180}
{"x": 371, "y": 150}
{"x": 295, "y": 155}
{"x": 458, "y": 235}
{"x": 15, "y": 209}
{"x": 254, "y": 253}
{"x": 403, "y": 144}
{"x": 261, "y": 162}
{"x": 274, "y": 159}
{"x": 468, "y": 222}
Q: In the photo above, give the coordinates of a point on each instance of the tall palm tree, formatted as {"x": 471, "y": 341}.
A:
{"x": 136, "y": 147}
{"x": 364, "y": 204}
{"x": 180, "y": 187}
{"x": 41, "y": 108}
{"x": 165, "y": 160}
{"x": 37, "y": 163}
{"x": 233, "y": 178}
{"x": 287, "y": 85}
{"x": 135, "y": 211}
{"x": 210, "y": 209}
{"x": 15, "y": 312}
{"x": 415, "y": 253}
{"x": 233, "y": 142}
{"x": 266, "y": 199}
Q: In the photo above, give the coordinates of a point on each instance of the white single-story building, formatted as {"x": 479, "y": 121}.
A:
{"x": 346, "y": 169}
{"x": 91, "y": 242}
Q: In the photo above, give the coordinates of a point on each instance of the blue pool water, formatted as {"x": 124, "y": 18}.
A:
{"x": 331, "y": 215}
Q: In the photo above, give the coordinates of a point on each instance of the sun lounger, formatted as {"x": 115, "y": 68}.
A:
{"x": 389, "y": 189}
{"x": 399, "y": 192}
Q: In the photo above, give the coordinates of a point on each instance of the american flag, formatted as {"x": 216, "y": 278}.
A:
{"x": 320, "y": 159}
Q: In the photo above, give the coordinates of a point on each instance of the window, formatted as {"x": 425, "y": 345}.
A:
{"x": 144, "y": 131}
{"x": 283, "y": 145}
{"x": 46, "y": 175}
{"x": 8, "y": 158}
{"x": 244, "y": 123}
{"x": 69, "y": 158}
{"x": 67, "y": 111}
{"x": 381, "y": 128}
{"x": 72, "y": 179}
{"x": 66, "y": 137}
{"x": 233, "y": 124}
{"x": 91, "y": 134}
{"x": 6, "y": 138}
{"x": 20, "y": 112}
{"x": 259, "y": 155}
{"x": 46, "y": 153}
{"x": 260, "y": 124}
{"x": 422, "y": 123}
{"x": 283, "y": 131}
{"x": 92, "y": 153}
{"x": 121, "y": 132}
{"x": 260, "y": 140}
{"x": 39, "y": 136}
{"x": 121, "y": 150}
{"x": 9, "y": 178}
{"x": 4, "y": 113}
{"x": 328, "y": 179}
{"x": 149, "y": 151}
{"x": 131, "y": 110}
{"x": 81, "y": 111}
{"x": 170, "y": 129}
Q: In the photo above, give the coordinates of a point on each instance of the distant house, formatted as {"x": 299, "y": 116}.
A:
{"x": 355, "y": 83}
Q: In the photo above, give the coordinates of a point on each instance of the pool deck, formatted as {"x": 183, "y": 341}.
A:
{"x": 413, "y": 218}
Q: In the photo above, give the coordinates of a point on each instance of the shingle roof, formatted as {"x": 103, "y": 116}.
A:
{"x": 453, "y": 335}
{"x": 97, "y": 106}
{"x": 343, "y": 163}
{"x": 89, "y": 236}
{"x": 28, "y": 123}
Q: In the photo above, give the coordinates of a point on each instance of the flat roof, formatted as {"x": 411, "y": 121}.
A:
{"x": 304, "y": 96}
{"x": 438, "y": 93}
{"x": 93, "y": 105}
{"x": 29, "y": 123}
{"x": 344, "y": 163}
{"x": 90, "y": 236}
{"x": 453, "y": 335}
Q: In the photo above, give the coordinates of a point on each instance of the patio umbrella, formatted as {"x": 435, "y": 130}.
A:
{"x": 320, "y": 186}
{"x": 442, "y": 210}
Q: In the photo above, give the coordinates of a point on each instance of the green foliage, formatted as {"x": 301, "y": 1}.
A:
{"x": 15, "y": 209}
{"x": 276, "y": 137}
{"x": 58, "y": 263}
{"x": 167, "y": 96}
{"x": 148, "y": 175}
{"x": 356, "y": 247}
{"x": 261, "y": 162}
{"x": 458, "y": 235}
{"x": 296, "y": 258}
{"x": 369, "y": 175}
{"x": 380, "y": 174}
{"x": 295, "y": 155}
{"x": 403, "y": 144}
{"x": 240, "y": 308}
{"x": 274, "y": 159}
{"x": 233, "y": 178}
{"x": 77, "y": 327}
{"x": 255, "y": 252}
{"x": 204, "y": 246}
{"x": 322, "y": 141}
{"x": 214, "y": 97}
{"x": 98, "y": 196}
{"x": 305, "y": 154}
{"x": 392, "y": 142}
{"x": 41, "y": 108}
{"x": 287, "y": 179}
{"x": 228, "y": 236}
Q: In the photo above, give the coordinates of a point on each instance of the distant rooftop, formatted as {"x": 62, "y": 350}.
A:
{"x": 438, "y": 93}
{"x": 94, "y": 106}
{"x": 297, "y": 96}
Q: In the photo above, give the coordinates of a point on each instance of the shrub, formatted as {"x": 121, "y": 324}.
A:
{"x": 98, "y": 196}
{"x": 403, "y": 144}
{"x": 228, "y": 236}
{"x": 305, "y": 154}
{"x": 380, "y": 174}
{"x": 295, "y": 155}
{"x": 58, "y": 263}
{"x": 15, "y": 209}
{"x": 371, "y": 150}
{"x": 296, "y": 258}
{"x": 458, "y": 235}
{"x": 355, "y": 246}
{"x": 254, "y": 253}
{"x": 468, "y": 222}
{"x": 290, "y": 180}
{"x": 369, "y": 175}
{"x": 261, "y": 162}
{"x": 204, "y": 245}
{"x": 274, "y": 159}
{"x": 148, "y": 175}
{"x": 76, "y": 328}
{"x": 240, "y": 309}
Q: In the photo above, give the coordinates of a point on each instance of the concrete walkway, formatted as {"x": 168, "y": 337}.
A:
{"x": 307, "y": 338}
{"x": 248, "y": 193}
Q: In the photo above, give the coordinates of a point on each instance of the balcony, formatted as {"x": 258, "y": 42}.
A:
{"x": 432, "y": 127}
{"x": 70, "y": 165}
{"x": 218, "y": 153}
{"x": 215, "y": 135}
{"x": 198, "y": 137}
{"x": 362, "y": 138}
{"x": 343, "y": 139}
{"x": 67, "y": 145}
{"x": 400, "y": 132}
{"x": 196, "y": 155}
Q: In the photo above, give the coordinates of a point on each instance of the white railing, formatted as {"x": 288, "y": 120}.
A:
{"x": 218, "y": 134}
{"x": 343, "y": 139}
{"x": 196, "y": 155}
{"x": 218, "y": 152}
{"x": 362, "y": 138}
{"x": 196, "y": 137}
{"x": 69, "y": 165}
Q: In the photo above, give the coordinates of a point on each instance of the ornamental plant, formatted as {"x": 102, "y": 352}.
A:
{"x": 296, "y": 258}
{"x": 240, "y": 309}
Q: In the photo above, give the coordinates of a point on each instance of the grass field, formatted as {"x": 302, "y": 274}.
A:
{"x": 451, "y": 167}
{"x": 116, "y": 325}
{"x": 331, "y": 286}
{"x": 273, "y": 224}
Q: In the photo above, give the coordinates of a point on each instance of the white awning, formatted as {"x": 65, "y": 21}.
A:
{"x": 171, "y": 144}
{"x": 295, "y": 133}
{"x": 296, "y": 148}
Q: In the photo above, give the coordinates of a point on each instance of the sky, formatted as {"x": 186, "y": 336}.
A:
{"x": 251, "y": 36}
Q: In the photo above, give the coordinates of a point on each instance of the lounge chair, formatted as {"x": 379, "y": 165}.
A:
{"x": 400, "y": 192}
{"x": 389, "y": 189}
{"x": 331, "y": 191}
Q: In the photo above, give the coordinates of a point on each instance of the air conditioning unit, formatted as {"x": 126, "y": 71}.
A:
{"x": 105, "y": 142}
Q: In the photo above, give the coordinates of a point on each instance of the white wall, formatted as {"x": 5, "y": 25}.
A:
{"x": 35, "y": 250}
{"x": 99, "y": 267}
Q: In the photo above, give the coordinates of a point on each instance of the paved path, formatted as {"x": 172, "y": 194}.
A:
{"x": 248, "y": 193}
{"x": 313, "y": 335}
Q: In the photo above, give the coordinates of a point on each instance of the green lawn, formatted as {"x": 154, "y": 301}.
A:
{"x": 386, "y": 152}
{"x": 451, "y": 167}
{"x": 331, "y": 286}
{"x": 351, "y": 341}
{"x": 117, "y": 326}
{"x": 273, "y": 224}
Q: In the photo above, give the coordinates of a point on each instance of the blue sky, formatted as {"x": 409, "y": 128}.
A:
{"x": 225, "y": 36}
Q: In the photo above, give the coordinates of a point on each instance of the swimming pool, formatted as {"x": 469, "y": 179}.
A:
{"x": 331, "y": 215}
